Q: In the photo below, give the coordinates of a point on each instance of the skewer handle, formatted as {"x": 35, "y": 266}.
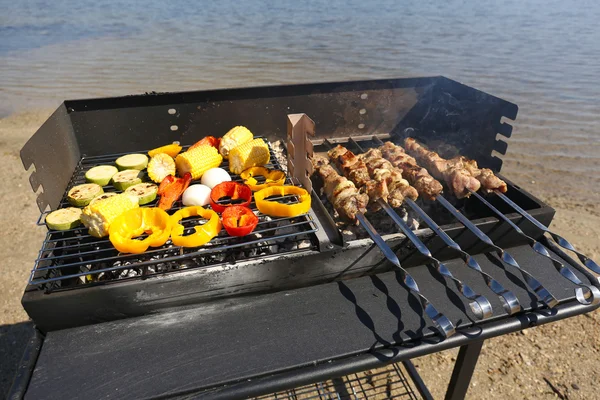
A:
{"x": 480, "y": 306}
{"x": 443, "y": 324}
{"x": 585, "y": 294}
{"x": 562, "y": 242}
{"x": 509, "y": 300}
{"x": 545, "y": 296}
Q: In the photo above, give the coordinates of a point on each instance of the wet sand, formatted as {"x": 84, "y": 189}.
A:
{"x": 519, "y": 365}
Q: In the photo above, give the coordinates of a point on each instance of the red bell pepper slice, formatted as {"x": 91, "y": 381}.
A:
{"x": 207, "y": 141}
{"x": 239, "y": 220}
{"x": 233, "y": 190}
{"x": 171, "y": 188}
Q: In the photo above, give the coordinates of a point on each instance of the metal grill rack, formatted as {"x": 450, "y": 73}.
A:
{"x": 383, "y": 383}
{"x": 73, "y": 258}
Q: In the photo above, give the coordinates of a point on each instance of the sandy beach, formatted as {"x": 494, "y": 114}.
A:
{"x": 522, "y": 365}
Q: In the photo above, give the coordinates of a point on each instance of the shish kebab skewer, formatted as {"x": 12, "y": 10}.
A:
{"x": 382, "y": 173}
{"x": 491, "y": 183}
{"x": 427, "y": 186}
{"x": 351, "y": 204}
{"x": 461, "y": 180}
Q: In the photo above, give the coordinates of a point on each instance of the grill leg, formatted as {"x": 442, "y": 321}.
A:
{"x": 416, "y": 378}
{"x": 463, "y": 370}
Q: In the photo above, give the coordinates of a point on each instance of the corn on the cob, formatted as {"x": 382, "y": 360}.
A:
{"x": 98, "y": 216}
{"x": 161, "y": 166}
{"x": 252, "y": 154}
{"x": 198, "y": 161}
{"x": 235, "y": 137}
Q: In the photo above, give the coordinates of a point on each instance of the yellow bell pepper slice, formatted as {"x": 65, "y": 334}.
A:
{"x": 204, "y": 233}
{"x": 170, "y": 149}
{"x": 272, "y": 178}
{"x": 134, "y": 223}
{"x": 276, "y": 209}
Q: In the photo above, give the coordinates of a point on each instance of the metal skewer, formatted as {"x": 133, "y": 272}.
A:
{"x": 562, "y": 242}
{"x": 509, "y": 300}
{"x": 480, "y": 306}
{"x": 440, "y": 321}
{"x": 585, "y": 294}
{"x": 545, "y": 296}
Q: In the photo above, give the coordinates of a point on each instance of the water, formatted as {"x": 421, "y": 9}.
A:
{"x": 542, "y": 55}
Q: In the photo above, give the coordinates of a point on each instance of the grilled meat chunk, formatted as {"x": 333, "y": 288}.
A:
{"x": 489, "y": 181}
{"x": 417, "y": 176}
{"x": 453, "y": 172}
{"x": 355, "y": 169}
{"x": 381, "y": 169}
{"x": 340, "y": 192}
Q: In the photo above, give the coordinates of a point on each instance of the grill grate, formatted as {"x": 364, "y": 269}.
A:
{"x": 73, "y": 258}
{"x": 383, "y": 383}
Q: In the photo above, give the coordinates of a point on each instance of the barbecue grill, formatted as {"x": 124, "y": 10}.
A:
{"x": 306, "y": 299}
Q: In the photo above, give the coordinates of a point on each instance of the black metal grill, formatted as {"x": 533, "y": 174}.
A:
{"x": 384, "y": 383}
{"x": 74, "y": 258}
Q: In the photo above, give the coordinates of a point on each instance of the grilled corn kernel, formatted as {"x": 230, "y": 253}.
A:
{"x": 235, "y": 137}
{"x": 251, "y": 154}
{"x": 161, "y": 166}
{"x": 98, "y": 216}
{"x": 198, "y": 161}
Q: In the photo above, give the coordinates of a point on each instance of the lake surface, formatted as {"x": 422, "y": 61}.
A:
{"x": 542, "y": 55}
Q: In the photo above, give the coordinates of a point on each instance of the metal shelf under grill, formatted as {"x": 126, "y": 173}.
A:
{"x": 73, "y": 258}
{"x": 384, "y": 383}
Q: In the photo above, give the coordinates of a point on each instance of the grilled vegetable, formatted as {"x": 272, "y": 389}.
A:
{"x": 207, "y": 141}
{"x": 161, "y": 166}
{"x": 97, "y": 217}
{"x": 204, "y": 233}
{"x": 132, "y": 161}
{"x": 103, "y": 196}
{"x": 136, "y": 222}
{"x": 251, "y": 154}
{"x": 145, "y": 192}
{"x": 239, "y": 220}
{"x": 101, "y": 174}
{"x": 64, "y": 219}
{"x": 122, "y": 180}
{"x": 196, "y": 195}
{"x": 81, "y": 195}
{"x": 275, "y": 209}
{"x": 170, "y": 149}
{"x": 214, "y": 176}
{"x": 235, "y": 137}
{"x": 198, "y": 161}
{"x": 171, "y": 189}
{"x": 272, "y": 177}
{"x": 231, "y": 190}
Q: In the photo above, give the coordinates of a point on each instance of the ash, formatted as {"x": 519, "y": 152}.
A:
{"x": 280, "y": 154}
{"x": 281, "y": 236}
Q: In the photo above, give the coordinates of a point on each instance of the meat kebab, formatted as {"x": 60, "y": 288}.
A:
{"x": 460, "y": 173}
{"x": 341, "y": 193}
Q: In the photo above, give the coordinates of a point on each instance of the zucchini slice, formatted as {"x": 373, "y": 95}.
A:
{"x": 132, "y": 161}
{"x": 103, "y": 196}
{"x": 145, "y": 192}
{"x": 122, "y": 180}
{"x": 101, "y": 174}
{"x": 64, "y": 219}
{"x": 81, "y": 195}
